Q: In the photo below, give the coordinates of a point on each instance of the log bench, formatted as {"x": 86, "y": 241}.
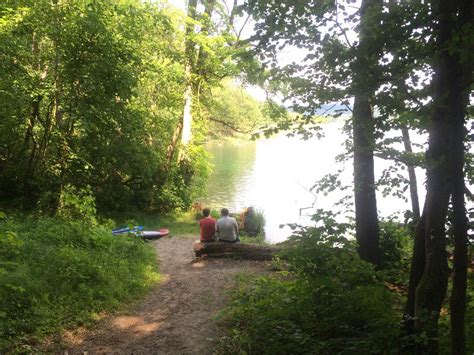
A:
{"x": 248, "y": 251}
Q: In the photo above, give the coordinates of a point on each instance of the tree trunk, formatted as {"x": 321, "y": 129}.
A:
{"x": 209, "y": 6}
{"x": 63, "y": 127}
{"x": 30, "y": 135}
{"x": 415, "y": 204}
{"x": 445, "y": 150}
{"x": 27, "y": 190}
{"x": 458, "y": 100}
{"x": 416, "y": 271}
{"x": 173, "y": 145}
{"x": 187, "y": 117}
{"x": 235, "y": 250}
{"x": 419, "y": 257}
{"x": 367, "y": 227}
{"x": 364, "y": 85}
{"x": 190, "y": 54}
{"x": 431, "y": 289}
{"x": 460, "y": 261}
{"x": 195, "y": 57}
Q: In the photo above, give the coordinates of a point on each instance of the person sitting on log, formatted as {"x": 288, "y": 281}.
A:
{"x": 207, "y": 226}
{"x": 227, "y": 228}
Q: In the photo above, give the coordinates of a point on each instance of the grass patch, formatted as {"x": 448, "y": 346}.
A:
{"x": 57, "y": 273}
{"x": 183, "y": 224}
{"x": 259, "y": 239}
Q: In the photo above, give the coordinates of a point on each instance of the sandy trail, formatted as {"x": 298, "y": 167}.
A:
{"x": 177, "y": 316}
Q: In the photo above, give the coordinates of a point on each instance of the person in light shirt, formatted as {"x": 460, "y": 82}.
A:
{"x": 227, "y": 229}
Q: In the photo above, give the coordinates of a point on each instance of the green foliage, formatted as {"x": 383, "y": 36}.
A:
{"x": 470, "y": 308}
{"x": 56, "y": 273}
{"x": 307, "y": 308}
{"x": 232, "y": 111}
{"x": 444, "y": 321}
{"x": 395, "y": 251}
{"x": 77, "y": 204}
{"x": 92, "y": 95}
{"x": 213, "y": 213}
{"x": 198, "y": 215}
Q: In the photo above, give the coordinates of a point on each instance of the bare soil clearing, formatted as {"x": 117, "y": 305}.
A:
{"x": 178, "y": 315}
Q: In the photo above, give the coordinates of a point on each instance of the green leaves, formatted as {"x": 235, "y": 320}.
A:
{"x": 90, "y": 95}
{"x": 77, "y": 204}
{"x": 231, "y": 110}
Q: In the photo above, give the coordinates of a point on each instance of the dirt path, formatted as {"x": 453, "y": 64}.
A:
{"x": 177, "y": 317}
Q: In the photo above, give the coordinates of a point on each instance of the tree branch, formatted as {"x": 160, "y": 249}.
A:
{"x": 468, "y": 193}
{"x": 239, "y": 34}
{"x": 224, "y": 123}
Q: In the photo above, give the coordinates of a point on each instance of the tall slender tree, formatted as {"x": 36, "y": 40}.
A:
{"x": 445, "y": 178}
{"x": 183, "y": 129}
{"x": 462, "y": 61}
{"x": 364, "y": 85}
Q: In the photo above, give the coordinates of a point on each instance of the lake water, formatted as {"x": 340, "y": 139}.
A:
{"x": 276, "y": 175}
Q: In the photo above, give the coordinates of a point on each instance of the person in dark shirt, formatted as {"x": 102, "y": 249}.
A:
{"x": 208, "y": 226}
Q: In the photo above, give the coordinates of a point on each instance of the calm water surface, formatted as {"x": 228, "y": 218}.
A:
{"x": 276, "y": 175}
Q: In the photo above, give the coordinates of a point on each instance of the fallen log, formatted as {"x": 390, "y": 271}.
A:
{"x": 235, "y": 250}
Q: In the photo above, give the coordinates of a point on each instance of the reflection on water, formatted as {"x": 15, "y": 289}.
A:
{"x": 232, "y": 174}
{"x": 276, "y": 175}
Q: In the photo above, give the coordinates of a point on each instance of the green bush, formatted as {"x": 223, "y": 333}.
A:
{"x": 395, "y": 244}
{"x": 56, "y": 273}
{"x": 78, "y": 204}
{"x": 254, "y": 222}
{"x": 215, "y": 214}
{"x": 396, "y": 247}
{"x": 326, "y": 301}
{"x": 198, "y": 215}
